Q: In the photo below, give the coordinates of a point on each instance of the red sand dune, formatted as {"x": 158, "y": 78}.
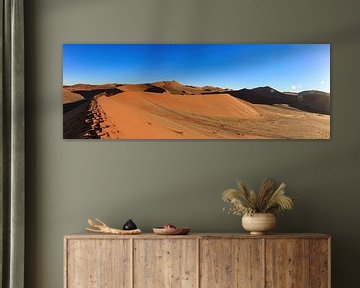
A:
{"x": 170, "y": 110}
{"x": 70, "y": 97}
{"x": 222, "y": 105}
{"x": 135, "y": 87}
{"x": 175, "y": 87}
{"x": 153, "y": 115}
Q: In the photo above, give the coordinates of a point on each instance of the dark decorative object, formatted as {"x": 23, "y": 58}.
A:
{"x": 100, "y": 227}
{"x": 129, "y": 225}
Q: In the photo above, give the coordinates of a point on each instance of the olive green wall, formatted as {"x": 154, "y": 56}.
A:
{"x": 154, "y": 182}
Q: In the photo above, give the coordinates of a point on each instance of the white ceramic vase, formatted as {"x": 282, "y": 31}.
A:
{"x": 259, "y": 223}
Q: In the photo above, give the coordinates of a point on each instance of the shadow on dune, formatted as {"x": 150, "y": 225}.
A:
{"x": 74, "y": 119}
{"x": 69, "y": 106}
{"x": 89, "y": 94}
{"x": 155, "y": 89}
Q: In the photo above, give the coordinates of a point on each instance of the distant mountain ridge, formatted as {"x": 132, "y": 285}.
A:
{"x": 313, "y": 101}
{"x": 263, "y": 95}
{"x": 274, "y": 95}
{"x": 310, "y": 101}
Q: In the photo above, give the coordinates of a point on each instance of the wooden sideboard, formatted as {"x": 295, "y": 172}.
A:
{"x": 197, "y": 260}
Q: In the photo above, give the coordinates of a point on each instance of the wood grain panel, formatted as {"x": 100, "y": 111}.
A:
{"x": 166, "y": 263}
{"x": 98, "y": 264}
{"x": 319, "y": 263}
{"x": 197, "y": 260}
{"x": 287, "y": 263}
{"x": 231, "y": 263}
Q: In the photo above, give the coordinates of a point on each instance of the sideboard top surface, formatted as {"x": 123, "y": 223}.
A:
{"x": 87, "y": 235}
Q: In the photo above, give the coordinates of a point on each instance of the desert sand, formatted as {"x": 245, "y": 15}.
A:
{"x": 70, "y": 97}
{"x": 170, "y": 110}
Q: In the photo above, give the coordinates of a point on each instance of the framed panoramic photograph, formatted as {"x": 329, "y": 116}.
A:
{"x": 196, "y": 91}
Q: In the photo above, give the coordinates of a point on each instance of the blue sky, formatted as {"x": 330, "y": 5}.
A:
{"x": 286, "y": 67}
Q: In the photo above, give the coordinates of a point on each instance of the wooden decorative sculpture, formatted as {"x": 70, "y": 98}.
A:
{"x": 101, "y": 227}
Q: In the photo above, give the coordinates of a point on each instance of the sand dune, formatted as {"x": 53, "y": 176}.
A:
{"x": 150, "y": 115}
{"x": 136, "y": 87}
{"x": 175, "y": 87}
{"x": 172, "y": 87}
{"x": 221, "y": 105}
{"x": 70, "y": 97}
{"x": 162, "y": 110}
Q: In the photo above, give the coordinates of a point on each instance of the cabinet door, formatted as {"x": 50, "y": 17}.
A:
{"x": 165, "y": 263}
{"x": 320, "y": 263}
{"x": 98, "y": 263}
{"x": 231, "y": 263}
{"x": 287, "y": 263}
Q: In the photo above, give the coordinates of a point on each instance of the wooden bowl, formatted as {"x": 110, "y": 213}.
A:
{"x": 171, "y": 231}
